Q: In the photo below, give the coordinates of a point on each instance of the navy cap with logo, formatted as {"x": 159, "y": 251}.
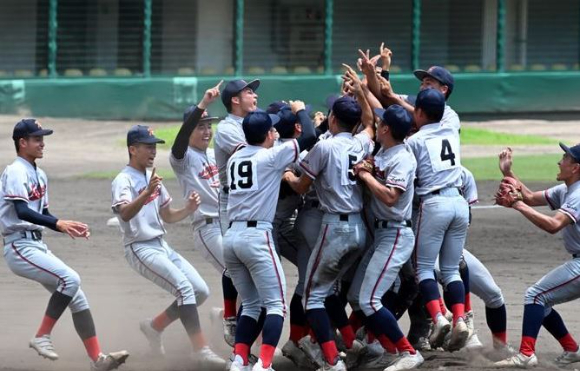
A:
{"x": 206, "y": 116}
{"x": 234, "y": 87}
{"x": 431, "y": 101}
{"x": 29, "y": 128}
{"x": 142, "y": 134}
{"x": 438, "y": 73}
{"x": 257, "y": 124}
{"x": 573, "y": 151}
{"x": 397, "y": 118}
{"x": 286, "y": 125}
{"x": 347, "y": 110}
{"x": 276, "y": 106}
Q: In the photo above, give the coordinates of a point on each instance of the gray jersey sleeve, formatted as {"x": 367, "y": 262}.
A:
{"x": 285, "y": 154}
{"x": 401, "y": 175}
{"x": 229, "y": 138}
{"x": 468, "y": 186}
{"x": 555, "y": 196}
{"x": 121, "y": 189}
{"x": 179, "y": 166}
{"x": 164, "y": 197}
{"x": 14, "y": 184}
{"x": 366, "y": 141}
{"x": 316, "y": 159}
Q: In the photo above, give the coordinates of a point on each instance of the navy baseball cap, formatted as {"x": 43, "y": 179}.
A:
{"x": 438, "y": 73}
{"x": 431, "y": 101}
{"x": 206, "y": 116}
{"x": 257, "y": 124}
{"x": 573, "y": 151}
{"x": 347, "y": 110}
{"x": 276, "y": 106}
{"x": 286, "y": 125}
{"x": 29, "y": 128}
{"x": 234, "y": 87}
{"x": 142, "y": 134}
{"x": 397, "y": 118}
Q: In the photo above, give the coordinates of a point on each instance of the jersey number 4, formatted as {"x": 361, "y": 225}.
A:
{"x": 444, "y": 153}
{"x": 447, "y": 152}
{"x": 241, "y": 175}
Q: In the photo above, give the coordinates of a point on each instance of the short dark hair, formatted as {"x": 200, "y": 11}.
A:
{"x": 397, "y": 135}
{"x": 433, "y": 116}
{"x": 17, "y": 144}
{"x": 344, "y": 126}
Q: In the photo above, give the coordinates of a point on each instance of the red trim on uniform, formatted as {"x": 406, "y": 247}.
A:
{"x": 208, "y": 250}
{"x": 16, "y": 197}
{"x": 397, "y": 185}
{"x": 314, "y": 266}
{"x": 384, "y": 270}
{"x": 166, "y": 202}
{"x": 308, "y": 171}
{"x": 417, "y": 235}
{"x": 121, "y": 202}
{"x": 277, "y": 274}
{"x": 548, "y": 200}
{"x": 155, "y": 273}
{"x": 568, "y": 213}
{"x": 473, "y": 202}
{"x": 295, "y": 150}
{"x": 39, "y": 267}
{"x": 238, "y": 147}
{"x": 554, "y": 288}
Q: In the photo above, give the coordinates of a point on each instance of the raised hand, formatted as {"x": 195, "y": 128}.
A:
{"x": 506, "y": 161}
{"x": 210, "y": 95}
{"x": 154, "y": 182}
{"x": 318, "y": 118}
{"x": 386, "y": 55}
{"x": 73, "y": 228}
{"x": 296, "y": 105}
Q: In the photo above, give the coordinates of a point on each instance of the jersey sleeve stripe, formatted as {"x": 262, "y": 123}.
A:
{"x": 121, "y": 202}
{"x": 548, "y": 200}
{"x": 397, "y": 185}
{"x": 15, "y": 197}
{"x": 308, "y": 171}
{"x": 295, "y": 150}
{"x": 166, "y": 202}
{"x": 569, "y": 213}
{"x": 238, "y": 147}
{"x": 474, "y": 201}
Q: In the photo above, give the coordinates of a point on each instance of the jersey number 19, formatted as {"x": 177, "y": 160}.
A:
{"x": 242, "y": 175}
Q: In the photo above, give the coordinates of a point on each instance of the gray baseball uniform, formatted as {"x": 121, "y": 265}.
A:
{"x": 229, "y": 137}
{"x": 145, "y": 250}
{"x": 562, "y": 284}
{"x": 443, "y": 213}
{"x": 254, "y": 175}
{"x": 197, "y": 172}
{"x": 394, "y": 238}
{"x": 450, "y": 117}
{"x": 25, "y": 252}
{"x": 341, "y": 240}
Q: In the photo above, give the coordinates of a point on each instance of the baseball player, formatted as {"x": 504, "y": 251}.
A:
{"x": 195, "y": 167}
{"x": 391, "y": 186}
{"x": 330, "y": 166}
{"x": 443, "y": 215}
{"x": 562, "y": 284}
{"x": 23, "y": 216}
{"x": 254, "y": 174}
{"x": 240, "y": 98}
{"x": 141, "y": 204}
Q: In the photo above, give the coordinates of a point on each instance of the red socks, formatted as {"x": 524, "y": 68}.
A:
{"x": 434, "y": 309}
{"x": 348, "y": 335}
{"x": 528, "y": 345}
{"x": 230, "y": 309}
{"x": 329, "y": 351}
{"x": 160, "y": 322}
{"x": 267, "y": 354}
{"x": 458, "y": 312}
{"x": 46, "y": 326}
{"x": 93, "y": 348}
{"x": 568, "y": 343}
{"x": 242, "y": 350}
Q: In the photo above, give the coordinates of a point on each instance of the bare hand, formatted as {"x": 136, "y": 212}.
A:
{"x": 73, "y": 229}
{"x": 386, "y": 55}
{"x": 193, "y": 201}
{"x": 385, "y": 87}
{"x": 154, "y": 183}
{"x": 296, "y": 105}
{"x": 506, "y": 161}
{"x": 318, "y": 118}
{"x": 352, "y": 81}
{"x": 210, "y": 95}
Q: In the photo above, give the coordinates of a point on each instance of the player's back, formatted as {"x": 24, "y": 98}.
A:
{"x": 436, "y": 149}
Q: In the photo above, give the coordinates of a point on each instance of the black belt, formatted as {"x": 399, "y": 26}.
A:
{"x": 226, "y": 189}
{"x": 385, "y": 223}
{"x": 314, "y": 204}
{"x": 249, "y": 223}
{"x": 343, "y": 217}
{"x": 576, "y": 256}
{"x": 209, "y": 220}
{"x": 438, "y": 191}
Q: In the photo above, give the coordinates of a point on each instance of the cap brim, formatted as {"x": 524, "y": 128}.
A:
{"x": 41, "y": 133}
{"x": 152, "y": 140}
{"x": 209, "y": 118}
{"x": 254, "y": 85}
{"x": 380, "y": 112}
{"x": 275, "y": 119}
{"x": 421, "y": 74}
{"x": 568, "y": 151}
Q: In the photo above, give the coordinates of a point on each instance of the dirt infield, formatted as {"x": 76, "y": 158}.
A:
{"x": 516, "y": 253}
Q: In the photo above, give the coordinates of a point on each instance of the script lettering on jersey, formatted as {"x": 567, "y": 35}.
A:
{"x": 36, "y": 191}
{"x": 208, "y": 172}
{"x": 153, "y": 196}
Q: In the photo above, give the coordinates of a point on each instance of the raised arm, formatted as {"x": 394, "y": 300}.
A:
{"x": 308, "y": 137}
{"x": 531, "y": 198}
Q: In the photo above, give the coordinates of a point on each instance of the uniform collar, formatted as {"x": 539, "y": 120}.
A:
{"x": 28, "y": 164}
{"x": 235, "y": 118}
{"x": 431, "y": 126}
{"x": 344, "y": 134}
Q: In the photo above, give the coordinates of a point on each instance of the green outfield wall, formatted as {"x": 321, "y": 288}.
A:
{"x": 165, "y": 98}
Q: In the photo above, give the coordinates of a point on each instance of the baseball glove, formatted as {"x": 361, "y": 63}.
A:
{"x": 365, "y": 165}
{"x": 509, "y": 192}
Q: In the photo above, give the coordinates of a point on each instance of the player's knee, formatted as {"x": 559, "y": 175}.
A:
{"x": 79, "y": 302}
{"x": 71, "y": 283}
{"x": 252, "y": 309}
{"x": 367, "y": 305}
{"x": 186, "y": 293}
{"x": 495, "y": 299}
{"x": 202, "y": 292}
{"x": 534, "y": 296}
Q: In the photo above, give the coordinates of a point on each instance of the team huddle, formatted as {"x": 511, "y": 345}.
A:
{"x": 369, "y": 202}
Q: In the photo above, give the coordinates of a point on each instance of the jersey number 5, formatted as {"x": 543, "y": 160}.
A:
{"x": 241, "y": 175}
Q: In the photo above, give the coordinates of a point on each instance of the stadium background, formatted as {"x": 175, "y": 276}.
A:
{"x": 148, "y": 59}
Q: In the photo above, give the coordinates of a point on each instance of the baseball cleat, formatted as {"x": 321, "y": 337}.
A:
{"x": 354, "y": 354}
{"x": 473, "y": 343}
{"x": 440, "y": 329}
{"x": 422, "y": 344}
{"x": 43, "y": 346}
{"x": 291, "y": 351}
{"x": 238, "y": 364}
{"x": 338, "y": 366}
{"x": 259, "y": 367}
{"x": 568, "y": 357}
{"x": 459, "y": 335}
{"x": 230, "y": 324}
{"x": 518, "y": 361}
{"x": 312, "y": 351}
{"x": 381, "y": 361}
{"x": 153, "y": 337}
{"x": 503, "y": 350}
{"x": 110, "y": 361}
{"x": 205, "y": 357}
{"x": 406, "y": 361}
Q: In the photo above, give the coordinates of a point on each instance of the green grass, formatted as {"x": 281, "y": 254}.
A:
{"x": 165, "y": 174}
{"x": 536, "y": 168}
{"x": 470, "y": 135}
